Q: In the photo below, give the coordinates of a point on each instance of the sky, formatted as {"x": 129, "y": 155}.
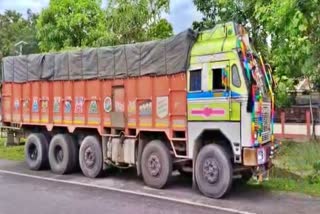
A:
{"x": 182, "y": 12}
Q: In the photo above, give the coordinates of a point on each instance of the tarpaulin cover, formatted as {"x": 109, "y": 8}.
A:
{"x": 163, "y": 57}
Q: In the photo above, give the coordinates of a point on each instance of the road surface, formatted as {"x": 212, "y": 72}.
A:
{"x": 25, "y": 191}
{"x": 19, "y": 195}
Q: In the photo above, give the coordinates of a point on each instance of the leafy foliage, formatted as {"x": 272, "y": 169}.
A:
{"x": 314, "y": 178}
{"x": 79, "y": 23}
{"x": 15, "y": 28}
{"x": 283, "y": 98}
{"x": 70, "y": 23}
{"x": 137, "y": 20}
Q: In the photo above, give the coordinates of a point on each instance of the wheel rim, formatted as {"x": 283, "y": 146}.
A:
{"x": 89, "y": 157}
{"x": 58, "y": 154}
{"x": 154, "y": 165}
{"x": 33, "y": 152}
{"x": 211, "y": 170}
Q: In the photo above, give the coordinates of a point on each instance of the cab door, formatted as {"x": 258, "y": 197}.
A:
{"x": 208, "y": 92}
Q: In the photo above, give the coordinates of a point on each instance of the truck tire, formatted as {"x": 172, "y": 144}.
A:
{"x": 36, "y": 151}
{"x": 90, "y": 157}
{"x": 156, "y": 164}
{"x": 213, "y": 171}
{"x": 63, "y": 154}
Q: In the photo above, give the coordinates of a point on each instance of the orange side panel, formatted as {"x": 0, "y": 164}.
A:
{"x": 161, "y": 102}
{"x": 93, "y": 99}
{"x": 144, "y": 102}
{"x": 16, "y": 98}
{"x": 58, "y": 103}
{"x": 79, "y": 103}
{"x": 178, "y": 102}
{"x": 131, "y": 94}
{"x": 148, "y": 103}
{"x": 44, "y": 102}
{"x": 6, "y": 102}
{"x": 35, "y": 102}
{"x": 107, "y": 102}
{"x": 26, "y": 103}
{"x": 68, "y": 102}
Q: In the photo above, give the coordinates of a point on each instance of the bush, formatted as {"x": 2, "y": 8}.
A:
{"x": 314, "y": 178}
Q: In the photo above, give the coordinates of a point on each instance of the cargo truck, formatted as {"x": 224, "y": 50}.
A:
{"x": 200, "y": 103}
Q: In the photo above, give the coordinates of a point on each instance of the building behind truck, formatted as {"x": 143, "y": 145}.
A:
{"x": 200, "y": 103}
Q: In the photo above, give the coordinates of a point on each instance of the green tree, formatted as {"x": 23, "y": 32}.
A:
{"x": 295, "y": 33}
{"x": 71, "y": 23}
{"x": 14, "y": 28}
{"x": 130, "y": 21}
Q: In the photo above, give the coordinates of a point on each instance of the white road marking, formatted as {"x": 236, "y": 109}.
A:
{"x": 230, "y": 210}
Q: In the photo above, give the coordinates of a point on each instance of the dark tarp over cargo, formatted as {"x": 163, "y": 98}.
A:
{"x": 163, "y": 57}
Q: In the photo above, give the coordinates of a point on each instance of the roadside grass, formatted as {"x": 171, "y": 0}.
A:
{"x": 292, "y": 169}
{"x": 11, "y": 152}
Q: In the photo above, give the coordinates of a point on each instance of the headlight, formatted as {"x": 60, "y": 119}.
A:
{"x": 261, "y": 156}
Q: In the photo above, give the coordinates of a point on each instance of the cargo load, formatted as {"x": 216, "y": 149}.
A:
{"x": 157, "y": 58}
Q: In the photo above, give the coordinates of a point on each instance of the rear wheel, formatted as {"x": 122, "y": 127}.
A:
{"x": 213, "y": 171}
{"x": 63, "y": 154}
{"x": 36, "y": 151}
{"x": 156, "y": 164}
{"x": 90, "y": 157}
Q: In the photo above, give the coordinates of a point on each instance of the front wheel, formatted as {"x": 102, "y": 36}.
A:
{"x": 156, "y": 164}
{"x": 213, "y": 171}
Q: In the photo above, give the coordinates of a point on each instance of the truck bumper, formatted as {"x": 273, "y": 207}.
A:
{"x": 259, "y": 156}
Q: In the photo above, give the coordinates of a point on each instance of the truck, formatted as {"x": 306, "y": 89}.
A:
{"x": 200, "y": 103}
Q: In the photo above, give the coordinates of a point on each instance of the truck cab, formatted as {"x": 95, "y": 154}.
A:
{"x": 230, "y": 104}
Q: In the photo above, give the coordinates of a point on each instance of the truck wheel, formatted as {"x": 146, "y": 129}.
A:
{"x": 36, "y": 151}
{"x": 90, "y": 157}
{"x": 156, "y": 164}
{"x": 213, "y": 171}
{"x": 63, "y": 154}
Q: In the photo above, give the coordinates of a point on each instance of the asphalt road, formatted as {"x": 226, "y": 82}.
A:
{"x": 19, "y": 195}
{"x": 25, "y": 191}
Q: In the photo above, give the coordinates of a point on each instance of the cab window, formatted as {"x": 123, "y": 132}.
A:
{"x": 195, "y": 80}
{"x": 218, "y": 79}
{"x": 235, "y": 76}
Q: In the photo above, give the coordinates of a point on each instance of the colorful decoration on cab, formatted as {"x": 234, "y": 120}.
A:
{"x": 224, "y": 78}
{"x": 251, "y": 67}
